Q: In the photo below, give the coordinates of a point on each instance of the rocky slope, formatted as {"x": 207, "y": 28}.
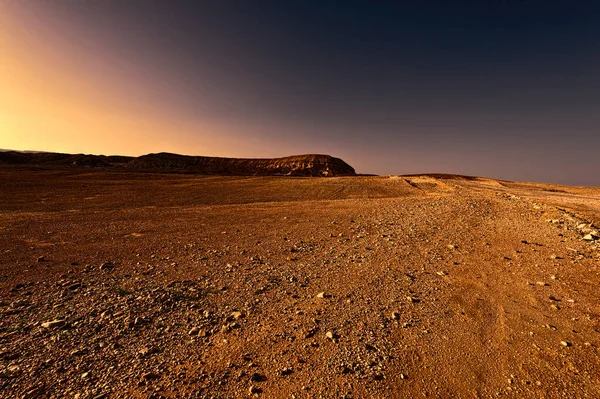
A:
{"x": 298, "y": 165}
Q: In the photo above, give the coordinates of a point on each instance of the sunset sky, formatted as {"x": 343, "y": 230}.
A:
{"x": 505, "y": 89}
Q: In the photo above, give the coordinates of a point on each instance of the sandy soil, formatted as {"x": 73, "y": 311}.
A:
{"x": 139, "y": 285}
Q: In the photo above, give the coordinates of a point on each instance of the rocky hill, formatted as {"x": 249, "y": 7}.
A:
{"x": 297, "y": 165}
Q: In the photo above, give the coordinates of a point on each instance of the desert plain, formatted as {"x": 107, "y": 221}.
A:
{"x": 117, "y": 284}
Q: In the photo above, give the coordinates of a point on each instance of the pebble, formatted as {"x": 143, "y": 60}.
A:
{"x": 257, "y": 377}
{"x": 254, "y": 390}
{"x": 565, "y": 343}
{"x": 590, "y": 237}
{"x": 107, "y": 265}
{"x": 395, "y": 315}
{"x": 237, "y": 315}
{"x": 150, "y": 376}
{"x": 53, "y": 324}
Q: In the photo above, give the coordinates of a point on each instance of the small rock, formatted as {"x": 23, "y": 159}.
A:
{"x": 590, "y": 237}
{"x": 107, "y": 266}
{"x": 256, "y": 377}
{"x": 85, "y": 375}
{"x": 53, "y": 324}
{"x": 565, "y": 343}
{"x": 14, "y": 369}
{"x": 322, "y": 295}
{"x": 150, "y": 376}
{"x": 146, "y": 351}
{"x": 378, "y": 376}
{"x": 395, "y": 315}
{"x": 254, "y": 390}
{"x": 74, "y": 286}
{"x": 194, "y": 331}
{"x": 237, "y": 315}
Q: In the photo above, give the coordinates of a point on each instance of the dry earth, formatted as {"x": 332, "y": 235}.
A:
{"x": 140, "y": 285}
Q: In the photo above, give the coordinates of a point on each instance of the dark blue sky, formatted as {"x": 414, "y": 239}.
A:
{"x": 507, "y": 89}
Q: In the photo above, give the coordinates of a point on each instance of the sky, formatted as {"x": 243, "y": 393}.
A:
{"x": 503, "y": 89}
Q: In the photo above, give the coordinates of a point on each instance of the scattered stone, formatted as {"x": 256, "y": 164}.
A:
{"x": 395, "y": 315}
{"x": 412, "y": 299}
{"x": 150, "y": 376}
{"x": 14, "y": 369}
{"x": 565, "y": 343}
{"x": 237, "y": 315}
{"x": 590, "y": 237}
{"x": 146, "y": 351}
{"x": 330, "y": 335}
{"x": 256, "y": 377}
{"x": 107, "y": 266}
{"x": 74, "y": 286}
{"x": 553, "y": 298}
{"x": 543, "y": 284}
{"x": 286, "y": 371}
{"x": 254, "y": 390}
{"x": 53, "y": 324}
{"x": 194, "y": 331}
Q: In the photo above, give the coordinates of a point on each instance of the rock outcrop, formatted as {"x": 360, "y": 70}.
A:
{"x": 297, "y": 165}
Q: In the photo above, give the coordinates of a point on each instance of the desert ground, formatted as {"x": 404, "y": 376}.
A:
{"x": 144, "y": 285}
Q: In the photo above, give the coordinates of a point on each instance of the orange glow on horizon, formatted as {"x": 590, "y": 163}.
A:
{"x": 48, "y": 102}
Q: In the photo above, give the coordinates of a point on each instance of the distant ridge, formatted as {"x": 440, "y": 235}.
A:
{"x": 297, "y": 165}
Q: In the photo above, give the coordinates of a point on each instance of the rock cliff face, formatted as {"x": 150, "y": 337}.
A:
{"x": 297, "y": 165}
